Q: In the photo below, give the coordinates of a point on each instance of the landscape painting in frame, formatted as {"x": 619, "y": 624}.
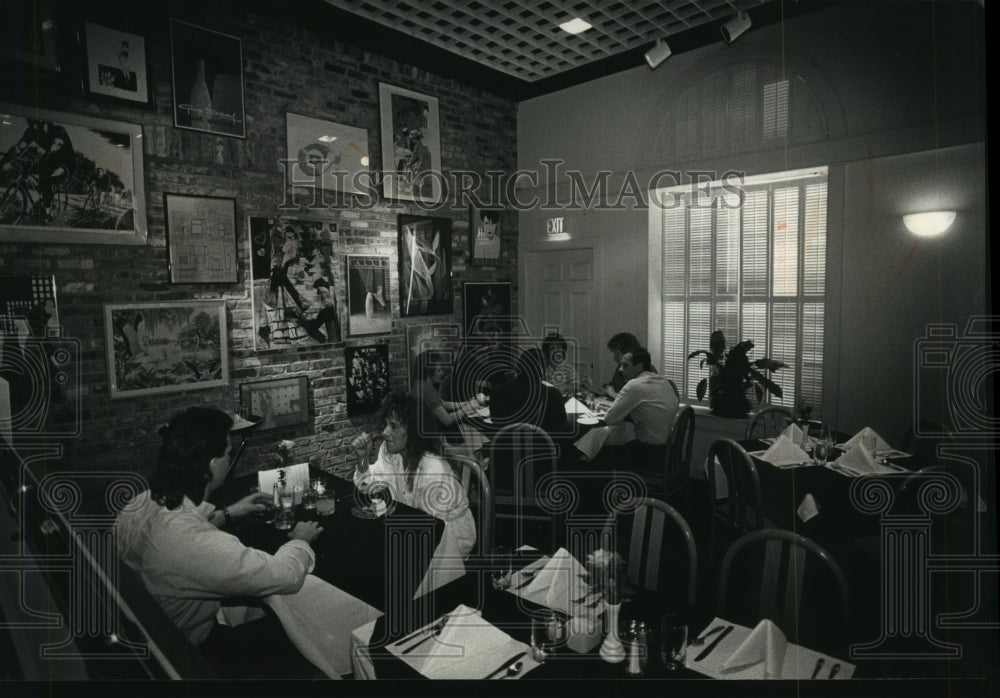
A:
{"x": 327, "y": 154}
{"x": 294, "y": 298}
{"x": 207, "y": 68}
{"x": 165, "y": 347}
{"x": 368, "y": 294}
{"x": 90, "y": 188}
{"x": 411, "y": 145}
{"x": 424, "y": 266}
{"x": 367, "y": 377}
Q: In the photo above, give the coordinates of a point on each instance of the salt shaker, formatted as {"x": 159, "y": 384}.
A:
{"x": 636, "y": 642}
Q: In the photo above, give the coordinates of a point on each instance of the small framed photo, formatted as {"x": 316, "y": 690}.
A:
{"x": 165, "y": 347}
{"x": 411, "y": 145}
{"x": 207, "y": 68}
{"x": 115, "y": 65}
{"x": 487, "y": 307}
{"x": 368, "y": 294}
{"x": 282, "y": 402}
{"x": 484, "y": 235}
{"x": 330, "y": 155}
{"x": 201, "y": 239}
{"x": 367, "y": 377}
{"x": 29, "y": 33}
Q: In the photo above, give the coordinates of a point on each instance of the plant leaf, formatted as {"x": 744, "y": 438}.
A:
{"x": 769, "y": 364}
{"x": 760, "y": 392}
{"x": 766, "y": 382}
{"x": 702, "y": 385}
{"x": 701, "y": 351}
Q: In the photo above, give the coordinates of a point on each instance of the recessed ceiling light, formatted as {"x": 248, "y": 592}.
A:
{"x": 574, "y": 26}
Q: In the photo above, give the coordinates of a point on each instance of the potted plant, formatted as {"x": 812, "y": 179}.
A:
{"x": 732, "y": 375}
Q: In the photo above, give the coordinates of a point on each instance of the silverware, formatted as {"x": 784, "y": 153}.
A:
{"x": 819, "y": 665}
{"x": 430, "y": 632}
{"x": 834, "y": 670}
{"x": 505, "y": 666}
{"x": 526, "y": 577}
{"x": 715, "y": 643}
{"x": 701, "y": 640}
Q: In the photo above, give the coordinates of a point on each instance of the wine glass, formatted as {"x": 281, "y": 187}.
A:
{"x": 823, "y": 445}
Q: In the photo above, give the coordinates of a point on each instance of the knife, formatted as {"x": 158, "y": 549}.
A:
{"x": 503, "y": 667}
{"x": 819, "y": 665}
{"x": 715, "y": 643}
{"x": 834, "y": 670}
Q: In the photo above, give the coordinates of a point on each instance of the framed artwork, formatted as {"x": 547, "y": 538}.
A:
{"x": 367, "y": 377}
{"x": 115, "y": 65}
{"x": 487, "y": 307}
{"x": 444, "y": 336}
{"x": 282, "y": 402}
{"x": 484, "y": 235}
{"x": 207, "y": 70}
{"x": 30, "y": 32}
{"x": 329, "y": 154}
{"x": 201, "y": 239}
{"x": 411, "y": 145}
{"x": 90, "y": 188}
{"x": 368, "y": 294}
{"x": 293, "y": 289}
{"x": 165, "y": 347}
{"x": 424, "y": 266}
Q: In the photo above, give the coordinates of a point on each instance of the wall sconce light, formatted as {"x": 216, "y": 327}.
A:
{"x": 735, "y": 26}
{"x": 659, "y": 53}
{"x": 930, "y": 224}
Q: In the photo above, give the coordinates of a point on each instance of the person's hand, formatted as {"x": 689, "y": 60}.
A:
{"x": 586, "y": 382}
{"x": 362, "y": 445}
{"x": 254, "y": 503}
{"x": 306, "y": 531}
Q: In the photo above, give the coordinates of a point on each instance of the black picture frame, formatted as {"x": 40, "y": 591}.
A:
{"x": 424, "y": 287}
{"x": 33, "y": 30}
{"x": 485, "y": 242}
{"x": 207, "y": 77}
{"x": 367, "y": 370}
{"x": 115, "y": 65}
{"x": 201, "y": 238}
{"x": 486, "y": 307}
{"x": 279, "y": 402}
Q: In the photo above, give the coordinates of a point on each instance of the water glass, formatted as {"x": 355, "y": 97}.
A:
{"x": 326, "y": 502}
{"x": 284, "y": 502}
{"x": 548, "y": 632}
{"x": 823, "y": 446}
{"x": 501, "y": 567}
{"x": 309, "y": 498}
{"x": 673, "y": 641}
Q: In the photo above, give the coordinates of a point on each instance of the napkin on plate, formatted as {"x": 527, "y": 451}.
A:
{"x": 468, "y": 647}
{"x": 767, "y": 644}
{"x": 784, "y": 451}
{"x": 561, "y": 579}
{"x": 858, "y": 459}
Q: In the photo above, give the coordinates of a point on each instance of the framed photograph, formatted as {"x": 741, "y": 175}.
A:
{"x": 115, "y": 65}
{"x": 165, "y": 347}
{"x": 484, "y": 235}
{"x": 294, "y": 294}
{"x": 207, "y": 69}
{"x": 443, "y": 336}
{"x": 327, "y": 154}
{"x": 368, "y": 294}
{"x": 487, "y": 307}
{"x": 72, "y": 179}
{"x": 201, "y": 239}
{"x": 282, "y": 402}
{"x": 367, "y": 377}
{"x": 411, "y": 145}
{"x": 424, "y": 266}
{"x": 30, "y": 33}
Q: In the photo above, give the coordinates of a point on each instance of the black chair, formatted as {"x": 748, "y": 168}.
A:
{"x": 677, "y": 465}
{"x": 789, "y": 579}
{"x": 769, "y": 421}
{"x": 741, "y": 510}
{"x": 922, "y": 441}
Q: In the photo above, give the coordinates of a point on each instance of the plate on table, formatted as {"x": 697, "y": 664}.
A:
{"x": 588, "y": 420}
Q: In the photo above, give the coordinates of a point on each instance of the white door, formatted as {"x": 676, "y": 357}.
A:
{"x": 558, "y": 294}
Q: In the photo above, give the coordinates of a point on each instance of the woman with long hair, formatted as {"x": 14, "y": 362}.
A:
{"x": 407, "y": 466}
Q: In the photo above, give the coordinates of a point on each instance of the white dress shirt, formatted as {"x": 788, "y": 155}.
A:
{"x": 651, "y": 402}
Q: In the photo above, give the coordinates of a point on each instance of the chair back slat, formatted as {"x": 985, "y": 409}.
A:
{"x": 743, "y": 508}
{"x": 769, "y": 421}
{"x": 655, "y": 551}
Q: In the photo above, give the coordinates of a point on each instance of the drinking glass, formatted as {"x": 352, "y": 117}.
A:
{"x": 823, "y": 447}
{"x": 326, "y": 501}
{"x": 267, "y": 516}
{"x": 673, "y": 641}
{"x": 284, "y": 502}
{"x": 501, "y": 567}
{"x": 548, "y": 631}
{"x": 309, "y": 497}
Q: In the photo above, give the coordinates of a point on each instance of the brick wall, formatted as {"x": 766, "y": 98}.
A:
{"x": 287, "y": 67}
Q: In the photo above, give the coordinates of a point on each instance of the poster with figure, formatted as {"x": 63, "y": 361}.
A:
{"x": 367, "y": 370}
{"x": 484, "y": 235}
{"x": 445, "y": 336}
{"x": 116, "y": 65}
{"x": 486, "y": 307}
{"x": 411, "y": 145}
{"x": 295, "y": 302}
{"x": 368, "y": 294}
{"x": 207, "y": 69}
{"x": 424, "y": 266}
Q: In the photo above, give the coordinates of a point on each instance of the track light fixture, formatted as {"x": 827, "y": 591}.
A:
{"x": 735, "y": 26}
{"x": 659, "y": 53}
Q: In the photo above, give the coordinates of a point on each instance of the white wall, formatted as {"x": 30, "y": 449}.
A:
{"x": 880, "y": 92}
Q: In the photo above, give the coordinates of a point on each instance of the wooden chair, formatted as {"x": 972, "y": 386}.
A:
{"x": 788, "y": 578}
{"x": 767, "y": 422}
{"x": 741, "y": 510}
{"x": 647, "y": 543}
{"x": 477, "y": 488}
{"x": 520, "y": 455}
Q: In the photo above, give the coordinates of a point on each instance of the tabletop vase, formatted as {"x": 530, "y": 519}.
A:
{"x": 612, "y": 649}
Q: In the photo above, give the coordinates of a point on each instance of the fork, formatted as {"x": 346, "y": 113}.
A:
{"x": 430, "y": 632}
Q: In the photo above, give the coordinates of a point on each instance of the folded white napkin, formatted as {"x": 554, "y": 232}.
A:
{"x": 468, "y": 647}
{"x": 857, "y": 439}
{"x": 794, "y": 432}
{"x": 766, "y": 643}
{"x": 296, "y": 475}
{"x": 784, "y": 451}
{"x": 562, "y": 579}
{"x": 858, "y": 459}
{"x": 808, "y": 508}
{"x": 574, "y": 406}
